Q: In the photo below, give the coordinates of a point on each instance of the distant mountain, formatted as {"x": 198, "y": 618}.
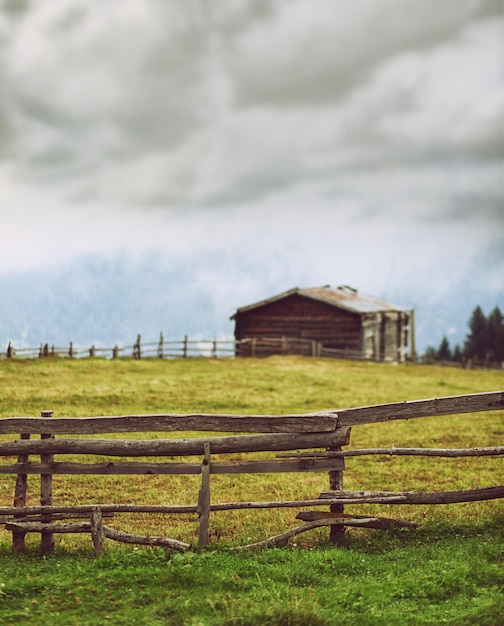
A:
{"x": 106, "y": 302}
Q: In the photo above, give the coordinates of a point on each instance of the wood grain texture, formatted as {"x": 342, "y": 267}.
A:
{"x": 177, "y": 447}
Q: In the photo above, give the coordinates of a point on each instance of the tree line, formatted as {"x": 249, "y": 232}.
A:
{"x": 484, "y": 344}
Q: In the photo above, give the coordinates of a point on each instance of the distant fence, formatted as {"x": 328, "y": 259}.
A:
{"x": 288, "y": 435}
{"x": 185, "y": 348}
{"x": 161, "y": 349}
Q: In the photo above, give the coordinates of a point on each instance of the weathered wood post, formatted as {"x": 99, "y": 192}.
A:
{"x": 115, "y": 352}
{"x": 160, "y": 351}
{"x": 47, "y": 538}
{"x": 204, "y": 497}
{"x": 92, "y": 351}
{"x": 214, "y": 349}
{"x": 184, "y": 353}
{"x": 18, "y": 537}
{"x": 337, "y": 532}
{"x": 97, "y": 534}
{"x": 10, "y": 351}
{"x": 70, "y": 351}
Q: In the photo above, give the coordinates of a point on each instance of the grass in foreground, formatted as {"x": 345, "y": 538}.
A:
{"x": 440, "y": 574}
{"x": 447, "y": 571}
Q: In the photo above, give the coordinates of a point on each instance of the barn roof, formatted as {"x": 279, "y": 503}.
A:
{"x": 342, "y": 297}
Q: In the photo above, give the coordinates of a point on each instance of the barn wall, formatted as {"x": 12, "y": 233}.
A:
{"x": 379, "y": 336}
{"x": 295, "y": 316}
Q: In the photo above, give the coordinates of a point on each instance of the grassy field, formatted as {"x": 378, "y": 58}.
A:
{"x": 447, "y": 571}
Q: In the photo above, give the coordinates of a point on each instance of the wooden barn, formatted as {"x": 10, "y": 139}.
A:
{"x": 323, "y": 321}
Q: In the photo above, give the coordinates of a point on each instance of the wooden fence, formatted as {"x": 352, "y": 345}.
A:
{"x": 161, "y": 349}
{"x": 303, "y": 443}
{"x": 184, "y": 348}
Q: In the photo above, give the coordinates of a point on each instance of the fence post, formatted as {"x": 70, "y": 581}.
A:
{"x": 18, "y": 537}
{"x": 92, "y": 351}
{"x": 337, "y": 532}
{"x": 204, "y": 497}
{"x": 137, "y": 353}
{"x": 97, "y": 534}
{"x": 70, "y": 351}
{"x": 160, "y": 351}
{"x": 184, "y": 354}
{"x": 214, "y": 349}
{"x": 47, "y": 539}
{"x": 115, "y": 352}
{"x": 10, "y": 350}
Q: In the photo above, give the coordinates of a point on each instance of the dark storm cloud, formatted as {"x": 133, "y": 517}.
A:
{"x": 197, "y": 104}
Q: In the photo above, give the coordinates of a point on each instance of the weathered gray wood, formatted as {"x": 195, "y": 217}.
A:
{"x": 110, "y": 533}
{"x": 312, "y": 422}
{"x": 46, "y": 490}
{"x": 18, "y": 537}
{"x": 410, "y": 497}
{"x": 97, "y": 534}
{"x": 204, "y": 498}
{"x": 364, "y": 522}
{"x": 54, "y": 516}
{"x": 139, "y": 468}
{"x": 337, "y": 532}
{"x": 177, "y": 447}
{"x": 50, "y": 527}
{"x": 441, "y": 452}
{"x": 382, "y": 523}
{"x": 469, "y": 403}
{"x": 123, "y": 537}
{"x": 325, "y": 499}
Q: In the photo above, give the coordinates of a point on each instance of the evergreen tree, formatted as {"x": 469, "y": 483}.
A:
{"x": 495, "y": 328}
{"x": 430, "y": 355}
{"x": 457, "y": 355}
{"x": 476, "y": 344}
{"x": 444, "y": 352}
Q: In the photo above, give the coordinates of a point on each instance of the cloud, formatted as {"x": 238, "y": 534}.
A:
{"x": 180, "y": 104}
{"x": 217, "y": 153}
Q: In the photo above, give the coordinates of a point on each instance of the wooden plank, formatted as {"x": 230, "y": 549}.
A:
{"x": 97, "y": 535}
{"x": 337, "y": 532}
{"x": 312, "y": 422}
{"x": 140, "y": 468}
{"x": 18, "y": 538}
{"x": 52, "y": 527}
{"x": 177, "y": 447}
{"x": 326, "y": 498}
{"x": 382, "y": 522}
{"x": 438, "y": 452}
{"x": 110, "y": 533}
{"x": 46, "y": 490}
{"x": 204, "y": 498}
{"x": 367, "y": 522}
{"x": 469, "y": 403}
{"x": 410, "y": 497}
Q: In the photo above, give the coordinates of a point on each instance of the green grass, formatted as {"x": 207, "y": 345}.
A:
{"x": 449, "y": 570}
{"x": 437, "y": 575}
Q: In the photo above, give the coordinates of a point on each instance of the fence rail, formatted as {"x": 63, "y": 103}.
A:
{"x": 186, "y": 348}
{"x": 324, "y": 433}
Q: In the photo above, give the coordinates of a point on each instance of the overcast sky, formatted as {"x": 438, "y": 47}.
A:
{"x": 283, "y": 143}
